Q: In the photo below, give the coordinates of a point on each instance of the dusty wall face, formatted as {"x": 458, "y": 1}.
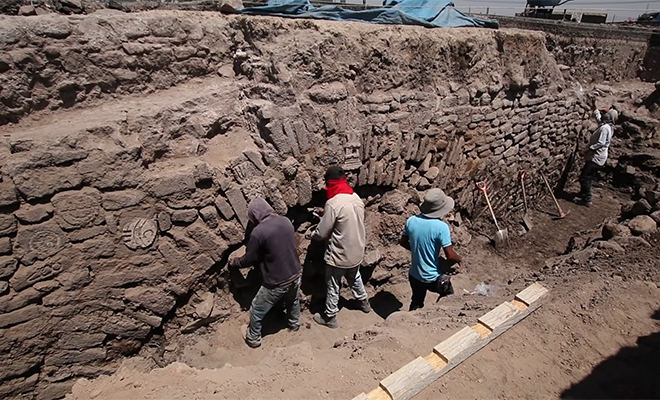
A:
{"x": 593, "y": 53}
{"x": 112, "y": 215}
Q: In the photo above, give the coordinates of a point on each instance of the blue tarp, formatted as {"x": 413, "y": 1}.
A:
{"x": 428, "y": 13}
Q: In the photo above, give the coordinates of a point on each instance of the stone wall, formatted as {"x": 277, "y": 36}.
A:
{"x": 113, "y": 215}
{"x": 594, "y": 53}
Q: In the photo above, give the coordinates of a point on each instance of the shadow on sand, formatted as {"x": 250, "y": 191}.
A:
{"x": 632, "y": 373}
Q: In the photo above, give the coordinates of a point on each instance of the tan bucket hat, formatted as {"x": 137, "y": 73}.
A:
{"x": 436, "y": 204}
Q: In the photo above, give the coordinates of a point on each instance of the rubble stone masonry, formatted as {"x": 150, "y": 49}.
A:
{"x": 133, "y": 143}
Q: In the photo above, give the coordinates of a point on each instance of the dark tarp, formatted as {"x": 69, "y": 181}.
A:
{"x": 428, "y": 13}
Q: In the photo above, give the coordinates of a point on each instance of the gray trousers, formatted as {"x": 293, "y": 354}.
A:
{"x": 265, "y": 300}
{"x": 333, "y": 277}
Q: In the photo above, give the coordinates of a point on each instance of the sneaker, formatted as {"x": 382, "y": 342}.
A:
{"x": 293, "y": 328}
{"x": 250, "y": 344}
{"x": 322, "y": 319}
{"x": 588, "y": 203}
{"x": 365, "y": 307}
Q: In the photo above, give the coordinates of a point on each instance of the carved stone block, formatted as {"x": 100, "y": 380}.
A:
{"x": 139, "y": 233}
{"x": 78, "y": 209}
{"x": 39, "y": 242}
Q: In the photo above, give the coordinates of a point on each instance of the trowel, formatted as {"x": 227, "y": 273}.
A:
{"x": 527, "y": 222}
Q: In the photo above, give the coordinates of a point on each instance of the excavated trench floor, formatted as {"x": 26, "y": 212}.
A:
{"x": 576, "y": 345}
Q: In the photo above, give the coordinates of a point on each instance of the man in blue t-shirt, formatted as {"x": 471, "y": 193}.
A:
{"x": 424, "y": 236}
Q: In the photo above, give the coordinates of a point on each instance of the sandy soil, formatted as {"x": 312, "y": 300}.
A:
{"x": 597, "y": 336}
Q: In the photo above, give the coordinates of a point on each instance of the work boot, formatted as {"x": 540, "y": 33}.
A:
{"x": 365, "y": 307}
{"x": 322, "y": 319}
{"x": 252, "y": 345}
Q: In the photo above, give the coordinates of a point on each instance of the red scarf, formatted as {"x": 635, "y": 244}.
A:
{"x": 337, "y": 186}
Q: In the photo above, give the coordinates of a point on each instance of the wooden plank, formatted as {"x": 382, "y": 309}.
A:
{"x": 436, "y": 361}
{"x": 532, "y": 293}
{"x": 361, "y": 396}
{"x": 519, "y": 304}
{"x": 482, "y": 330}
{"x": 457, "y": 343}
{"x": 409, "y": 380}
{"x": 379, "y": 394}
{"x": 422, "y": 372}
{"x": 499, "y": 316}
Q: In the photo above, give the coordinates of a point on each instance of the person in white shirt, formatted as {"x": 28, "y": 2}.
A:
{"x": 595, "y": 156}
{"x": 342, "y": 226}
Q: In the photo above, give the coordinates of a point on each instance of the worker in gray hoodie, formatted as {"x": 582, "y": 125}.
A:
{"x": 271, "y": 246}
{"x": 342, "y": 225}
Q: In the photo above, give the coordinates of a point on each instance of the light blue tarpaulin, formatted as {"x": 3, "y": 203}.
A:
{"x": 428, "y": 13}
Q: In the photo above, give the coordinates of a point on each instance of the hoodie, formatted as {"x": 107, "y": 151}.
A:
{"x": 271, "y": 246}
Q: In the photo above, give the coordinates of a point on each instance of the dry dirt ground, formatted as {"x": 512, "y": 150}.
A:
{"x": 597, "y": 336}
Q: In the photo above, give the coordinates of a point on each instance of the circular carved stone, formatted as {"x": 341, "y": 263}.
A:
{"x": 139, "y": 233}
{"x": 77, "y": 209}
{"x": 44, "y": 243}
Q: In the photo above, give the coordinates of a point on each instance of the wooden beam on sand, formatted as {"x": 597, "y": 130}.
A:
{"x": 420, "y": 373}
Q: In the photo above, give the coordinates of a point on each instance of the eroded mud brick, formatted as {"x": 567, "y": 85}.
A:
{"x": 124, "y": 326}
{"x": 210, "y": 216}
{"x": 223, "y": 206}
{"x": 244, "y": 171}
{"x": 207, "y": 240}
{"x": 184, "y": 216}
{"x": 304, "y": 185}
{"x": 328, "y": 92}
{"x": 238, "y": 203}
{"x": 7, "y": 224}
{"x": 74, "y": 357}
{"x": 7, "y": 192}
{"x": 301, "y": 135}
{"x": 256, "y": 159}
{"x": 8, "y": 265}
{"x": 18, "y": 300}
{"x": 177, "y": 185}
{"x": 85, "y": 233}
{"x": 28, "y": 275}
{"x": 34, "y": 214}
{"x": 24, "y": 314}
{"x": 164, "y": 221}
{"x": 5, "y": 246}
{"x": 122, "y": 199}
{"x": 112, "y": 169}
{"x": 46, "y": 182}
{"x": 152, "y": 298}
{"x": 278, "y": 137}
{"x": 290, "y": 133}
{"x": 103, "y": 247}
{"x": 19, "y": 385}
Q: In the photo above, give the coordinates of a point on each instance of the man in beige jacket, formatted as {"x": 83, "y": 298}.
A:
{"x": 342, "y": 225}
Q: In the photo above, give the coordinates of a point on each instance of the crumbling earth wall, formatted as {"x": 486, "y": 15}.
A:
{"x": 112, "y": 214}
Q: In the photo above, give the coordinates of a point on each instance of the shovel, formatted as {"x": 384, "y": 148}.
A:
{"x": 561, "y": 213}
{"x": 526, "y": 220}
{"x": 502, "y": 235}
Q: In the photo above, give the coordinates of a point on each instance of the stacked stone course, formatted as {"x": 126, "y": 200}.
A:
{"x": 107, "y": 224}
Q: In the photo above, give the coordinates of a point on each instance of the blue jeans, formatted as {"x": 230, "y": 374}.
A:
{"x": 265, "y": 300}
